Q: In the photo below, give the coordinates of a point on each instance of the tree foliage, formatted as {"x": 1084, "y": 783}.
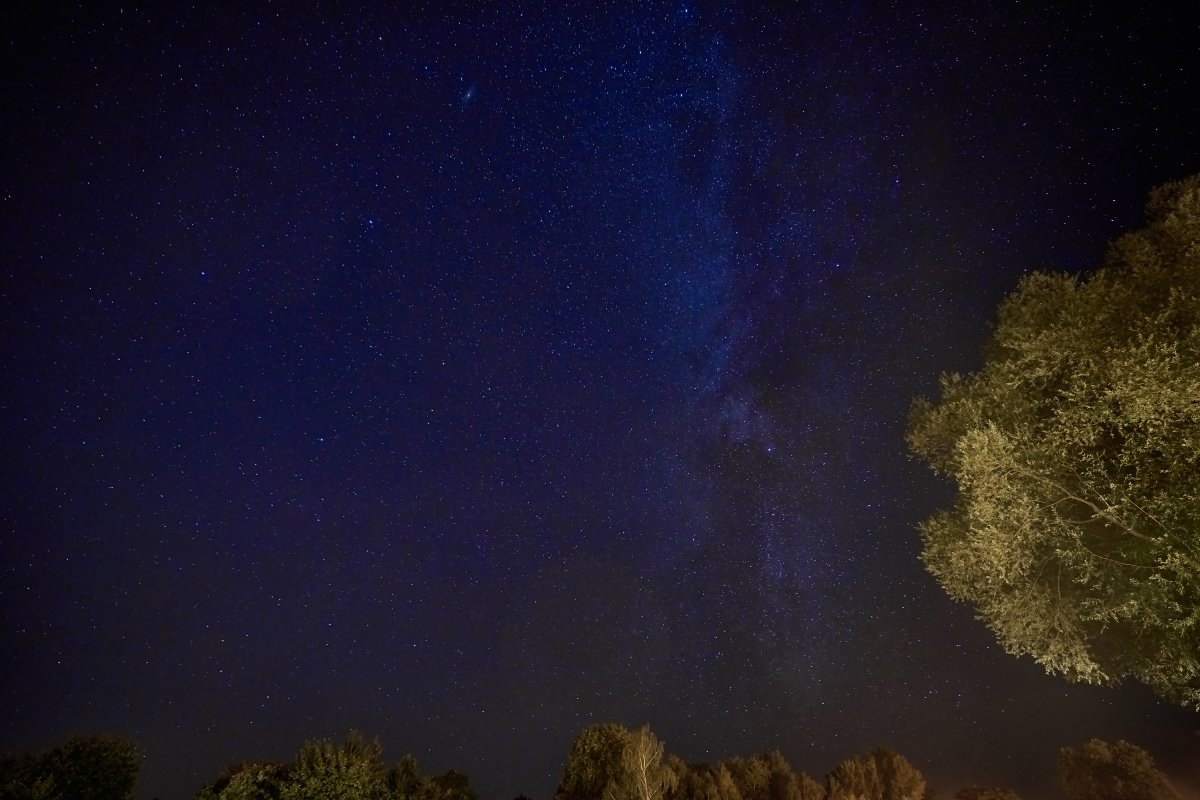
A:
{"x": 352, "y": 770}
{"x": 246, "y": 781}
{"x": 449, "y": 785}
{"x": 643, "y": 775}
{"x": 608, "y": 761}
{"x": 594, "y": 762}
{"x": 985, "y": 793}
{"x": 1076, "y": 450}
{"x": 1121, "y": 771}
{"x": 405, "y": 781}
{"x": 98, "y": 767}
{"x": 879, "y": 775}
{"x": 767, "y": 776}
{"x": 323, "y": 770}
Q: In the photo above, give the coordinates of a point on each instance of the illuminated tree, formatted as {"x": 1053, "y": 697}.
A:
{"x": 786, "y": 784}
{"x": 1076, "y": 450}
{"x": 1121, "y": 771}
{"x": 763, "y": 777}
{"x": 807, "y": 788}
{"x": 691, "y": 781}
{"x": 643, "y": 775}
{"x": 249, "y": 781}
{"x": 985, "y": 793}
{"x": 878, "y": 775}
{"x": 724, "y": 787}
{"x": 594, "y": 762}
{"x": 752, "y": 776}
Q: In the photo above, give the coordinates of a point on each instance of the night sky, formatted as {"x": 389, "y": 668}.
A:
{"x": 467, "y": 376}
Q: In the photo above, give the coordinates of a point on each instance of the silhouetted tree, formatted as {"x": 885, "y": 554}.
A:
{"x": 21, "y": 779}
{"x": 98, "y": 767}
{"x": 1076, "y": 449}
{"x": 1121, "y": 771}
{"x": 405, "y": 781}
{"x": 450, "y": 785}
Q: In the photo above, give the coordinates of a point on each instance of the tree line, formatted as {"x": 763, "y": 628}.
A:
{"x": 606, "y": 761}
{"x": 611, "y": 762}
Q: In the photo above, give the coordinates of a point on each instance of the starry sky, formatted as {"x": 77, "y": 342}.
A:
{"x": 464, "y": 374}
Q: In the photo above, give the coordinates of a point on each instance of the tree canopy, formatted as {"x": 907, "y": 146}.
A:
{"x": 352, "y": 770}
{"x": 608, "y": 761}
{"x": 1112, "y": 771}
{"x": 594, "y": 763}
{"x": 98, "y": 767}
{"x": 879, "y": 775}
{"x": 1076, "y": 451}
{"x": 643, "y": 774}
{"x": 985, "y": 793}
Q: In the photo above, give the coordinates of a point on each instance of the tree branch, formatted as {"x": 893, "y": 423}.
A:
{"x": 1107, "y": 514}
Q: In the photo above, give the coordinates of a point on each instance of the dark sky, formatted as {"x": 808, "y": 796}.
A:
{"x": 464, "y": 377}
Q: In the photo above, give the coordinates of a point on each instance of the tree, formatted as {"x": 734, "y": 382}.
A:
{"x": 643, "y": 775}
{"x": 763, "y": 777}
{"x": 1076, "y": 450}
{"x": 246, "y": 781}
{"x": 594, "y": 762}
{"x": 96, "y": 767}
{"x": 985, "y": 793}
{"x": 1121, "y": 771}
{"x": 879, "y": 775}
{"x": 353, "y": 770}
{"x": 691, "y": 781}
{"x": 451, "y": 785}
{"x": 22, "y": 779}
{"x": 724, "y": 787}
{"x": 405, "y": 781}
{"x": 752, "y": 776}
{"x": 324, "y": 771}
{"x": 807, "y": 788}
{"x": 786, "y": 784}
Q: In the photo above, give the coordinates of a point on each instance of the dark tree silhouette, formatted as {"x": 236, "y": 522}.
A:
{"x": 1120, "y": 771}
{"x": 99, "y": 767}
